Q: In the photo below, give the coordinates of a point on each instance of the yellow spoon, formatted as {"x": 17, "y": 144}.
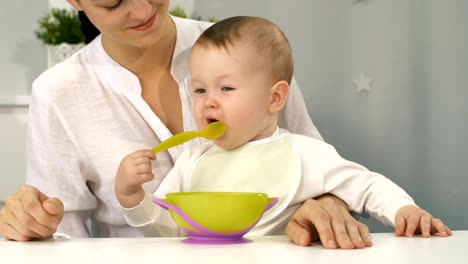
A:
{"x": 211, "y": 131}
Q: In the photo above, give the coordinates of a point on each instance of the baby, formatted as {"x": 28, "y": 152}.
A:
{"x": 241, "y": 69}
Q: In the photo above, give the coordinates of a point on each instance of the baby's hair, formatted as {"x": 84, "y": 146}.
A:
{"x": 266, "y": 37}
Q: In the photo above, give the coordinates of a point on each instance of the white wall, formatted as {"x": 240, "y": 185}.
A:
{"x": 59, "y": 4}
{"x": 22, "y": 59}
{"x": 413, "y": 123}
{"x": 12, "y": 151}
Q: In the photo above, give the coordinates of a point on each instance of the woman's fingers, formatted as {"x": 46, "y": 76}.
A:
{"x": 338, "y": 223}
{"x": 24, "y": 217}
{"x": 329, "y": 222}
{"x": 54, "y": 206}
{"x": 10, "y": 233}
{"x": 15, "y": 228}
{"x": 33, "y": 214}
{"x": 324, "y": 226}
{"x": 355, "y": 236}
{"x": 349, "y": 232}
{"x": 301, "y": 229}
{"x": 300, "y": 234}
{"x": 365, "y": 234}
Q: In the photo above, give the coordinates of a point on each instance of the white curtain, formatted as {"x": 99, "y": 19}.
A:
{"x": 412, "y": 124}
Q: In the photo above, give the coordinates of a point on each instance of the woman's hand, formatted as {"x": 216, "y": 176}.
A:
{"x": 29, "y": 214}
{"x": 327, "y": 219}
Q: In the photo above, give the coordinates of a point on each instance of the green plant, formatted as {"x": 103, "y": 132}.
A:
{"x": 178, "y": 12}
{"x": 60, "y": 26}
{"x": 212, "y": 19}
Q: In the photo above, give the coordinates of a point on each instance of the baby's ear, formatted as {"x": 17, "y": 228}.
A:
{"x": 279, "y": 93}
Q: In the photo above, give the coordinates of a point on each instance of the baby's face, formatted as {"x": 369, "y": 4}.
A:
{"x": 232, "y": 86}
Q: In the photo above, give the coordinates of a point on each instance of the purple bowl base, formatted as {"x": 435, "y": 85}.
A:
{"x": 215, "y": 238}
{"x": 199, "y": 240}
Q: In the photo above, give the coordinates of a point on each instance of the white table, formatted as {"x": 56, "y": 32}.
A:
{"x": 270, "y": 250}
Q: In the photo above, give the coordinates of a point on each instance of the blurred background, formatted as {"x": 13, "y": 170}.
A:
{"x": 385, "y": 82}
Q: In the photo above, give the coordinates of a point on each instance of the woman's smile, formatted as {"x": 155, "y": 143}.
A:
{"x": 146, "y": 25}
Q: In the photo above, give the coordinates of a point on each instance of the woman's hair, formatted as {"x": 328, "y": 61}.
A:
{"x": 89, "y": 30}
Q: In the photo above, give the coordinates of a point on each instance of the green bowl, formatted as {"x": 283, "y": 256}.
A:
{"x": 221, "y": 212}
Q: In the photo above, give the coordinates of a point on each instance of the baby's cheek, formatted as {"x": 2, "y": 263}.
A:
{"x": 197, "y": 109}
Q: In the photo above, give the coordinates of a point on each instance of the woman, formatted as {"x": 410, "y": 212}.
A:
{"x": 128, "y": 89}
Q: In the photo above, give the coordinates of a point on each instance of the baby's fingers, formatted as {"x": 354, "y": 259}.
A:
{"x": 138, "y": 180}
{"x": 145, "y": 168}
{"x": 400, "y": 226}
{"x": 439, "y": 227}
{"x": 425, "y": 223}
{"x": 143, "y": 153}
{"x": 146, "y": 177}
{"x": 412, "y": 225}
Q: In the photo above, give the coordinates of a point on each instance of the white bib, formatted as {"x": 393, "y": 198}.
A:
{"x": 270, "y": 165}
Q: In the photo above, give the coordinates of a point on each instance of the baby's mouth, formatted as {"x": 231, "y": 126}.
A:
{"x": 211, "y": 120}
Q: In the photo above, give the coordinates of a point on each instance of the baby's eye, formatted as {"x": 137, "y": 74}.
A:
{"x": 227, "y": 88}
{"x": 199, "y": 90}
{"x": 117, "y": 4}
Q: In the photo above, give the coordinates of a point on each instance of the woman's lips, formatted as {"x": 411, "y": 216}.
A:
{"x": 145, "y": 25}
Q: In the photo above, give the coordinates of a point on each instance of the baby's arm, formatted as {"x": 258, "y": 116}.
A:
{"x": 138, "y": 206}
{"x": 134, "y": 170}
{"x": 372, "y": 193}
{"x": 364, "y": 191}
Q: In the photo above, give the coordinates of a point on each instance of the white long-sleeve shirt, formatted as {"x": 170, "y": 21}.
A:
{"x": 87, "y": 114}
{"x": 306, "y": 169}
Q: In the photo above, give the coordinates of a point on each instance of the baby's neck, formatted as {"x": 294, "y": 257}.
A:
{"x": 264, "y": 135}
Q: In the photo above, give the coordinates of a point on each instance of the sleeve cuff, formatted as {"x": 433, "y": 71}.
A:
{"x": 142, "y": 214}
{"x": 58, "y": 235}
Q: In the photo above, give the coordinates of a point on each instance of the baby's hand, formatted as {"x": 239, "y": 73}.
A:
{"x": 410, "y": 220}
{"x": 134, "y": 170}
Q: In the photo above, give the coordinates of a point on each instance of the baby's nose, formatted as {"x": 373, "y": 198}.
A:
{"x": 211, "y": 101}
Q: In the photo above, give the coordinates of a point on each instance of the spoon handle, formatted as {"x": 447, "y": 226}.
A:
{"x": 175, "y": 140}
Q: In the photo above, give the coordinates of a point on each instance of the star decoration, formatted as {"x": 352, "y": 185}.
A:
{"x": 363, "y": 83}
